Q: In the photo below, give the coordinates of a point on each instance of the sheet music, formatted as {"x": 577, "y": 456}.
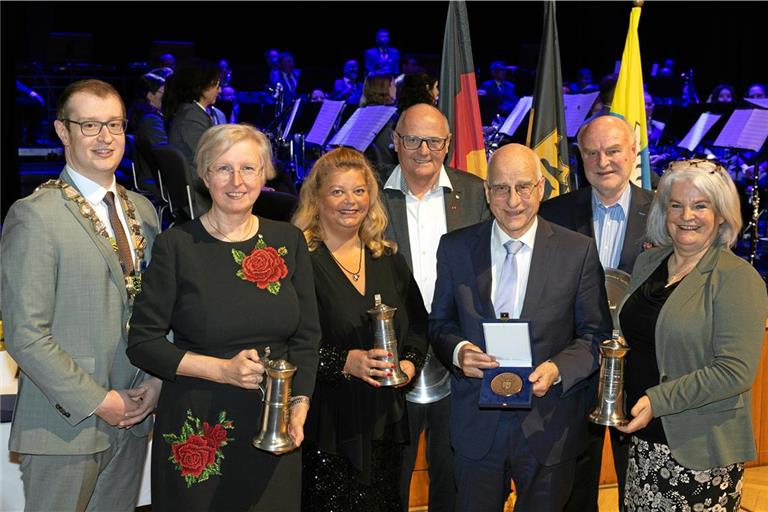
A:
{"x": 516, "y": 116}
{"x": 289, "y": 124}
{"x": 698, "y": 131}
{"x": 760, "y": 102}
{"x": 363, "y": 126}
{"x": 746, "y": 129}
{"x": 577, "y": 107}
{"x": 324, "y": 121}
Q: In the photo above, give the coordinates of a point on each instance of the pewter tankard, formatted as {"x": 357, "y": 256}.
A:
{"x": 610, "y": 392}
{"x": 384, "y": 338}
{"x": 274, "y": 436}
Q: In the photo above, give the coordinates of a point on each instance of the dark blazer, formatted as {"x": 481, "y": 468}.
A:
{"x": 186, "y": 128}
{"x": 566, "y": 302}
{"x": 350, "y": 94}
{"x": 374, "y": 64}
{"x": 464, "y": 205}
{"x": 709, "y": 335}
{"x": 574, "y": 211}
{"x": 506, "y": 99}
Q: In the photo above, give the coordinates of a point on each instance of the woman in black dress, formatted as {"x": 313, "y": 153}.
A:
{"x": 228, "y": 285}
{"x": 356, "y": 428}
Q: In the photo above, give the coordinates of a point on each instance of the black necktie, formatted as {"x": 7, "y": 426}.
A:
{"x": 123, "y": 247}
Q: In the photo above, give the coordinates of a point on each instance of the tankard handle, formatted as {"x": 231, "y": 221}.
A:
{"x": 265, "y": 361}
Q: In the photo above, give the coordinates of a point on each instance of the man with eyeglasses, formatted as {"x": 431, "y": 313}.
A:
{"x": 72, "y": 256}
{"x": 519, "y": 265}
{"x": 424, "y": 200}
{"x": 612, "y": 211}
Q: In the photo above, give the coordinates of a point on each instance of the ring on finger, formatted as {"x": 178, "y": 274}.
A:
{"x": 370, "y": 372}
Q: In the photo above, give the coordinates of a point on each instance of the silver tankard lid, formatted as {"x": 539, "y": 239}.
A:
{"x": 381, "y": 311}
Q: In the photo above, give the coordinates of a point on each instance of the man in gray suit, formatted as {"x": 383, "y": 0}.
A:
{"x": 424, "y": 200}
{"x": 612, "y": 211}
{"x": 72, "y": 253}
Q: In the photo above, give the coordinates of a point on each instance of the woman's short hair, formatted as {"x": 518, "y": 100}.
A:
{"x": 307, "y": 217}
{"x": 217, "y": 140}
{"x": 376, "y": 89}
{"x": 713, "y": 182}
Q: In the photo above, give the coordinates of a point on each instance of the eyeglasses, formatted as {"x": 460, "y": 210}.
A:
{"x": 224, "y": 172}
{"x": 414, "y": 142}
{"x": 710, "y": 166}
{"x": 93, "y": 128}
{"x": 524, "y": 190}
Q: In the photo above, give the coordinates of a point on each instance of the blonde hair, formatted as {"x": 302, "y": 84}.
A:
{"x": 217, "y": 140}
{"x": 307, "y": 216}
{"x": 714, "y": 183}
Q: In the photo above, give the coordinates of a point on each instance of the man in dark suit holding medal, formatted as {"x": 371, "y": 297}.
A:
{"x": 72, "y": 253}
{"x": 533, "y": 270}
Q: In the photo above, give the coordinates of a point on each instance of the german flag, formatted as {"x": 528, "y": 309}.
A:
{"x": 546, "y": 129}
{"x": 458, "y": 94}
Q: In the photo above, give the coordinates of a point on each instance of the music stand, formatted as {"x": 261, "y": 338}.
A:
{"x": 516, "y": 117}
{"x": 700, "y": 128}
{"x": 363, "y": 126}
{"x": 748, "y": 130}
{"x": 577, "y": 108}
{"x": 324, "y": 122}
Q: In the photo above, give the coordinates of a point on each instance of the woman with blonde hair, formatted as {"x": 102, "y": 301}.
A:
{"x": 694, "y": 317}
{"x": 356, "y": 427}
{"x": 228, "y": 284}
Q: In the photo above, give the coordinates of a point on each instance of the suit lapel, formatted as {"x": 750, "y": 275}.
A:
{"x": 544, "y": 248}
{"x": 635, "y": 230}
{"x": 398, "y": 217}
{"x": 452, "y": 199}
{"x": 481, "y": 267}
{"x": 583, "y": 212}
{"x": 688, "y": 288}
{"x": 102, "y": 244}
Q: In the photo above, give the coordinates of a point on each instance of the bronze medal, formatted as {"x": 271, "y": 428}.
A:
{"x": 506, "y": 384}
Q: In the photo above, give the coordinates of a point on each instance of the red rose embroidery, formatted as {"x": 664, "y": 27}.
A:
{"x": 214, "y": 435}
{"x": 193, "y": 455}
{"x": 264, "y": 266}
{"x": 197, "y": 450}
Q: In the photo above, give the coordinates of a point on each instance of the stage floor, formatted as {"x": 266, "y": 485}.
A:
{"x": 754, "y": 499}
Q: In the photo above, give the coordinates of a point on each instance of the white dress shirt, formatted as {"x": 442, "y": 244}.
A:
{"x": 94, "y": 194}
{"x": 498, "y": 255}
{"x": 426, "y": 224}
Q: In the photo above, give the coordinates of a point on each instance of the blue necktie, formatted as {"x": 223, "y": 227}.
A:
{"x": 506, "y": 289}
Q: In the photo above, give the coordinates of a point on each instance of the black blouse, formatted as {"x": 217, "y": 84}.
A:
{"x": 348, "y": 414}
{"x": 638, "y": 323}
{"x": 191, "y": 287}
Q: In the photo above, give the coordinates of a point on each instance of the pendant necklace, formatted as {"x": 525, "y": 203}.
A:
{"x": 247, "y": 235}
{"x": 355, "y": 275}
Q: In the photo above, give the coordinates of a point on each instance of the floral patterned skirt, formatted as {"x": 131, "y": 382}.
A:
{"x": 657, "y": 482}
